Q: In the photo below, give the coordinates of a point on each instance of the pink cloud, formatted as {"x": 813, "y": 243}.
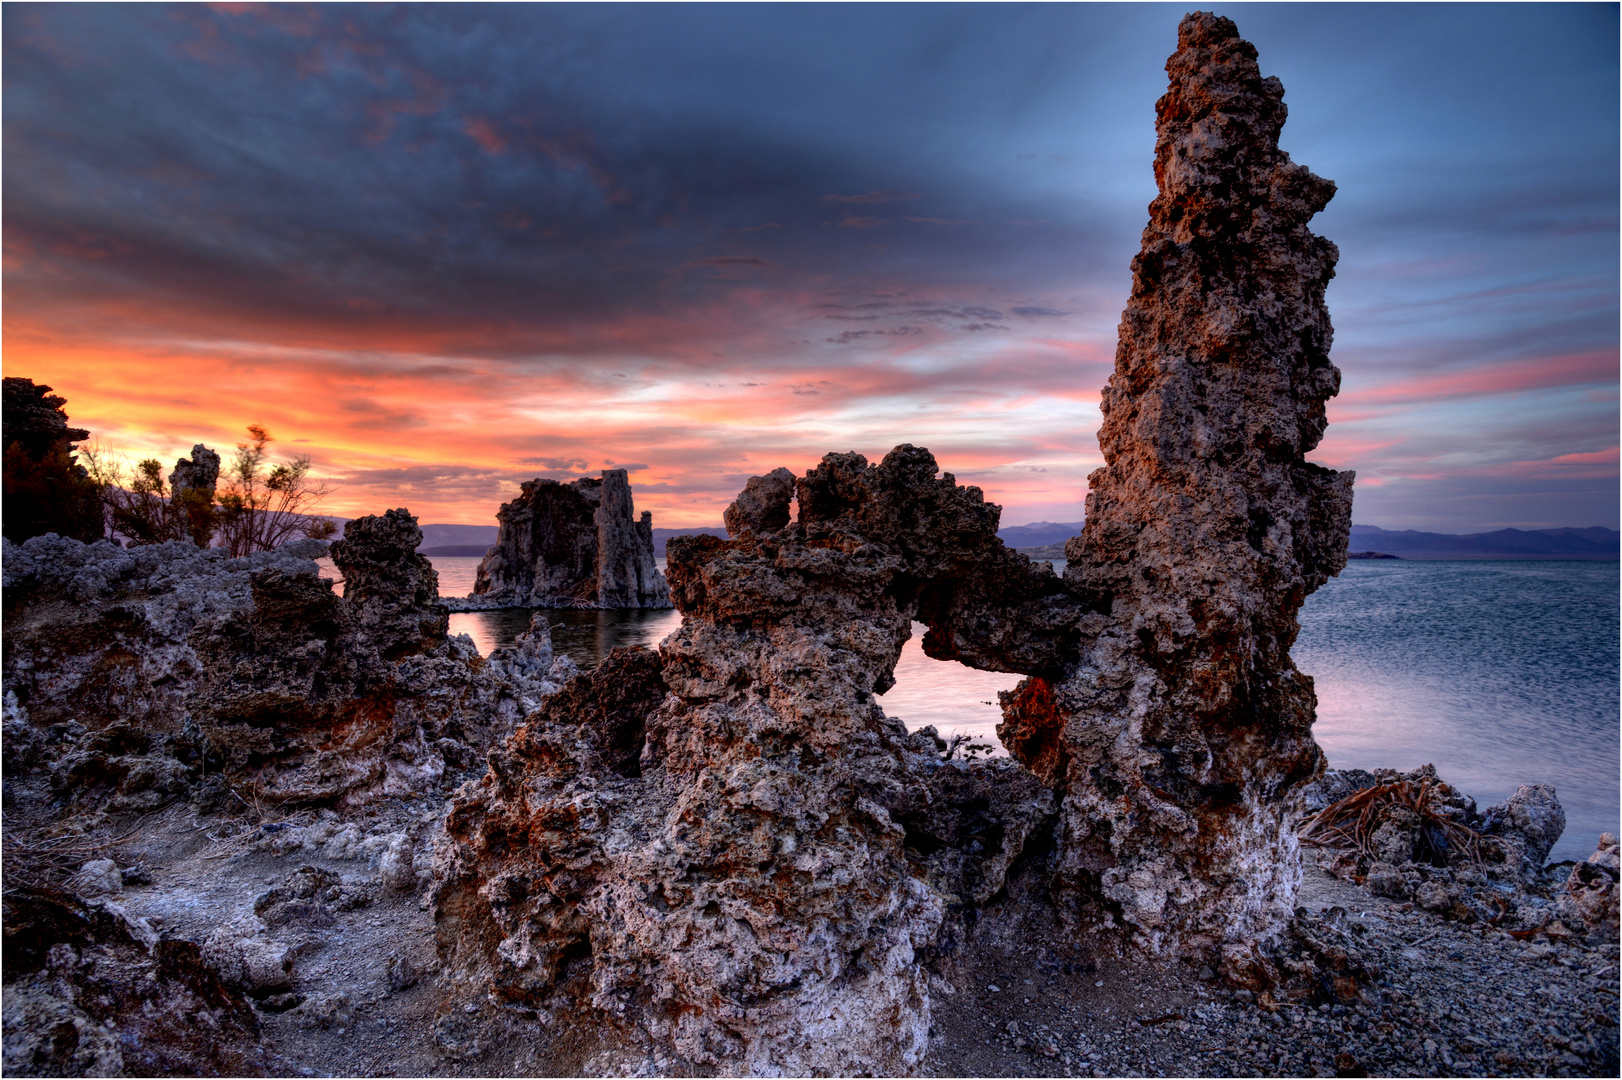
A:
{"x": 1542, "y": 373}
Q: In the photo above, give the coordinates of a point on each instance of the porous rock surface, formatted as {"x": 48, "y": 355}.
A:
{"x": 131, "y": 674}
{"x": 578, "y": 544}
{"x": 1501, "y": 880}
{"x": 1180, "y": 730}
{"x": 93, "y": 991}
{"x": 199, "y": 473}
{"x": 1588, "y": 900}
{"x": 742, "y": 885}
{"x": 757, "y": 894}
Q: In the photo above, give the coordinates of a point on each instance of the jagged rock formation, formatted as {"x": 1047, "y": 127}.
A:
{"x": 753, "y": 884}
{"x": 131, "y": 673}
{"x": 191, "y": 489}
{"x": 578, "y": 544}
{"x": 34, "y": 418}
{"x": 1178, "y": 735}
{"x": 1492, "y": 866}
{"x": 757, "y": 891}
{"x": 46, "y": 490}
{"x": 200, "y": 473}
{"x": 1590, "y": 898}
{"x": 92, "y": 991}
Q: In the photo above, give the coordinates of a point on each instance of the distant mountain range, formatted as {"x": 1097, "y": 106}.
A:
{"x": 1590, "y": 543}
{"x": 475, "y": 540}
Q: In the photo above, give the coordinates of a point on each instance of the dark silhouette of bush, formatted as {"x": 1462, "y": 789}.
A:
{"x": 144, "y": 509}
{"x": 263, "y": 505}
{"x": 45, "y": 488}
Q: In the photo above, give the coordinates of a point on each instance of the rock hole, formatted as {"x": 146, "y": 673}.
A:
{"x": 955, "y": 699}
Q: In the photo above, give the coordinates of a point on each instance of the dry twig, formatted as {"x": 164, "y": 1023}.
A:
{"x": 1351, "y": 822}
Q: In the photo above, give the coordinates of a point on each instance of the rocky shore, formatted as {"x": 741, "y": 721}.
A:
{"x": 301, "y": 944}
{"x": 256, "y": 827}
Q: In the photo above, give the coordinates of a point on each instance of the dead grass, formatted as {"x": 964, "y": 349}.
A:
{"x": 1351, "y": 822}
{"x": 47, "y": 857}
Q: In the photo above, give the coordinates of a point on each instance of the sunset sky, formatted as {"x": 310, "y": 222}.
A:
{"x": 443, "y": 249}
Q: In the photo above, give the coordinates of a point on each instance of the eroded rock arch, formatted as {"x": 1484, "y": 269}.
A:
{"x": 748, "y": 892}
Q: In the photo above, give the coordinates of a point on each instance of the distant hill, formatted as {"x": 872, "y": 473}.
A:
{"x": 1591, "y": 543}
{"x": 1039, "y": 533}
{"x": 440, "y": 536}
{"x": 661, "y": 535}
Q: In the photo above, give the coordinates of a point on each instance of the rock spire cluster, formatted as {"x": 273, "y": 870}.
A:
{"x": 758, "y": 890}
{"x": 167, "y": 664}
{"x": 578, "y": 544}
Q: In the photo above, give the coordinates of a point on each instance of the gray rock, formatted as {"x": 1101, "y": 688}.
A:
{"x": 571, "y": 545}
{"x": 1529, "y": 823}
{"x": 1386, "y": 880}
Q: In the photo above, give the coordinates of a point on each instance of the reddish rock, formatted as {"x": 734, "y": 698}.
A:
{"x": 1187, "y": 724}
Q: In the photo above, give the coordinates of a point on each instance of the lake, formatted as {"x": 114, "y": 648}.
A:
{"x": 1500, "y": 673}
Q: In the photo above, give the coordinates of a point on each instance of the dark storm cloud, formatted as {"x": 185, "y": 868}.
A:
{"x": 484, "y": 172}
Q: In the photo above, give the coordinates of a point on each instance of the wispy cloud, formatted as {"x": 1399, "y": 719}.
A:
{"x": 870, "y": 197}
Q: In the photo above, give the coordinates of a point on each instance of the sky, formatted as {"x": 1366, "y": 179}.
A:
{"x": 442, "y": 249}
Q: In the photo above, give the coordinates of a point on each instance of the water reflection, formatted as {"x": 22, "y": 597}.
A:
{"x": 958, "y": 700}
{"x": 585, "y": 637}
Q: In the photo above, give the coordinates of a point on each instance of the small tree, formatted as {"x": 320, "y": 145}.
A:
{"x": 263, "y": 506}
{"x": 137, "y": 500}
{"x": 142, "y": 507}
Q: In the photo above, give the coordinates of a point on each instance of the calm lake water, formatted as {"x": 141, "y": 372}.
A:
{"x": 1499, "y": 673}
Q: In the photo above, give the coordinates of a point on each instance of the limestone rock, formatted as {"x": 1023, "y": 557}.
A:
{"x": 1180, "y": 730}
{"x": 1527, "y": 824}
{"x": 743, "y": 886}
{"x": 199, "y": 473}
{"x": 46, "y": 490}
{"x": 392, "y": 591}
{"x": 572, "y": 545}
{"x": 758, "y": 891}
{"x": 763, "y": 504}
{"x": 132, "y": 668}
{"x": 192, "y": 486}
{"x": 92, "y": 992}
{"x": 1590, "y": 896}
{"x": 626, "y": 574}
{"x": 34, "y": 418}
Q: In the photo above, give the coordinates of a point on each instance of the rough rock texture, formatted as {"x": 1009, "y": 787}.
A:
{"x": 393, "y": 593}
{"x": 1179, "y": 733}
{"x": 1589, "y": 898}
{"x": 35, "y": 420}
{"x": 1499, "y": 878}
{"x": 753, "y": 884}
{"x": 93, "y": 991}
{"x": 46, "y": 490}
{"x": 192, "y": 488}
{"x": 199, "y": 473}
{"x": 760, "y": 893}
{"x": 578, "y": 544}
{"x": 130, "y": 674}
